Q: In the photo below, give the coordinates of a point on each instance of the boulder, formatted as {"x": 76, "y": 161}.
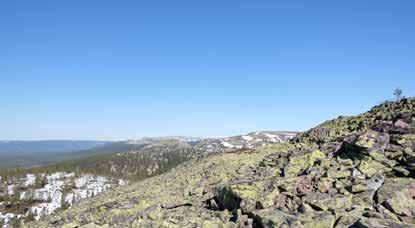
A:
{"x": 401, "y": 124}
{"x": 363, "y": 199}
{"x": 347, "y": 219}
{"x": 316, "y": 219}
{"x": 300, "y": 163}
{"x": 398, "y": 195}
{"x": 288, "y": 202}
{"x": 304, "y": 185}
{"x": 324, "y": 201}
{"x": 371, "y": 167}
{"x": 380, "y": 223}
{"x": 368, "y": 141}
{"x": 274, "y": 218}
{"x": 400, "y": 128}
{"x": 338, "y": 172}
{"x": 401, "y": 171}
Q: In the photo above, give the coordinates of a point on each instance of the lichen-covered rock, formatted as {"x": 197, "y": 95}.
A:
{"x": 324, "y": 201}
{"x": 298, "y": 164}
{"x": 371, "y": 167}
{"x": 272, "y": 218}
{"x": 276, "y": 218}
{"x": 398, "y": 195}
{"x": 348, "y": 220}
{"x": 380, "y": 223}
{"x": 372, "y": 141}
{"x": 338, "y": 172}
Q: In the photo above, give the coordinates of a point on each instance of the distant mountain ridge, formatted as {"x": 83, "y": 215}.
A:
{"x": 30, "y": 146}
{"x": 22, "y": 153}
{"x": 30, "y": 153}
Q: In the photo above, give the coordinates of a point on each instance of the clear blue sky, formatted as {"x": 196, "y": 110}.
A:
{"x": 124, "y": 69}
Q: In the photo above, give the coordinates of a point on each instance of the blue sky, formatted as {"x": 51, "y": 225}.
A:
{"x": 126, "y": 69}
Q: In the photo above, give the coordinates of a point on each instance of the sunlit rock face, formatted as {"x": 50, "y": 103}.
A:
{"x": 37, "y": 195}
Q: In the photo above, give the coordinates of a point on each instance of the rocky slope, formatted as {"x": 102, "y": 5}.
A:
{"x": 349, "y": 172}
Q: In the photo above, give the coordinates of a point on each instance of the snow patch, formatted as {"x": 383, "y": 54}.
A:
{"x": 228, "y": 145}
{"x": 22, "y": 195}
{"x": 52, "y": 193}
{"x": 290, "y": 135}
{"x": 30, "y": 180}
{"x": 59, "y": 175}
{"x": 6, "y": 217}
{"x": 10, "y": 189}
{"x": 69, "y": 198}
{"x": 87, "y": 186}
{"x": 121, "y": 182}
{"x": 247, "y": 138}
{"x": 273, "y": 138}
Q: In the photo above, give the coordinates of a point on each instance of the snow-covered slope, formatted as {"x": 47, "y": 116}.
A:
{"x": 36, "y": 195}
{"x": 249, "y": 141}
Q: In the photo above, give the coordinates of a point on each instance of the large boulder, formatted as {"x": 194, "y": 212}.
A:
{"x": 368, "y": 141}
{"x": 398, "y": 195}
{"x": 268, "y": 218}
{"x": 325, "y": 201}
{"x": 300, "y": 163}
{"x": 380, "y": 223}
{"x": 371, "y": 167}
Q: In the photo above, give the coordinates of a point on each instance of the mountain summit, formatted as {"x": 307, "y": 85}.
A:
{"x": 349, "y": 172}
